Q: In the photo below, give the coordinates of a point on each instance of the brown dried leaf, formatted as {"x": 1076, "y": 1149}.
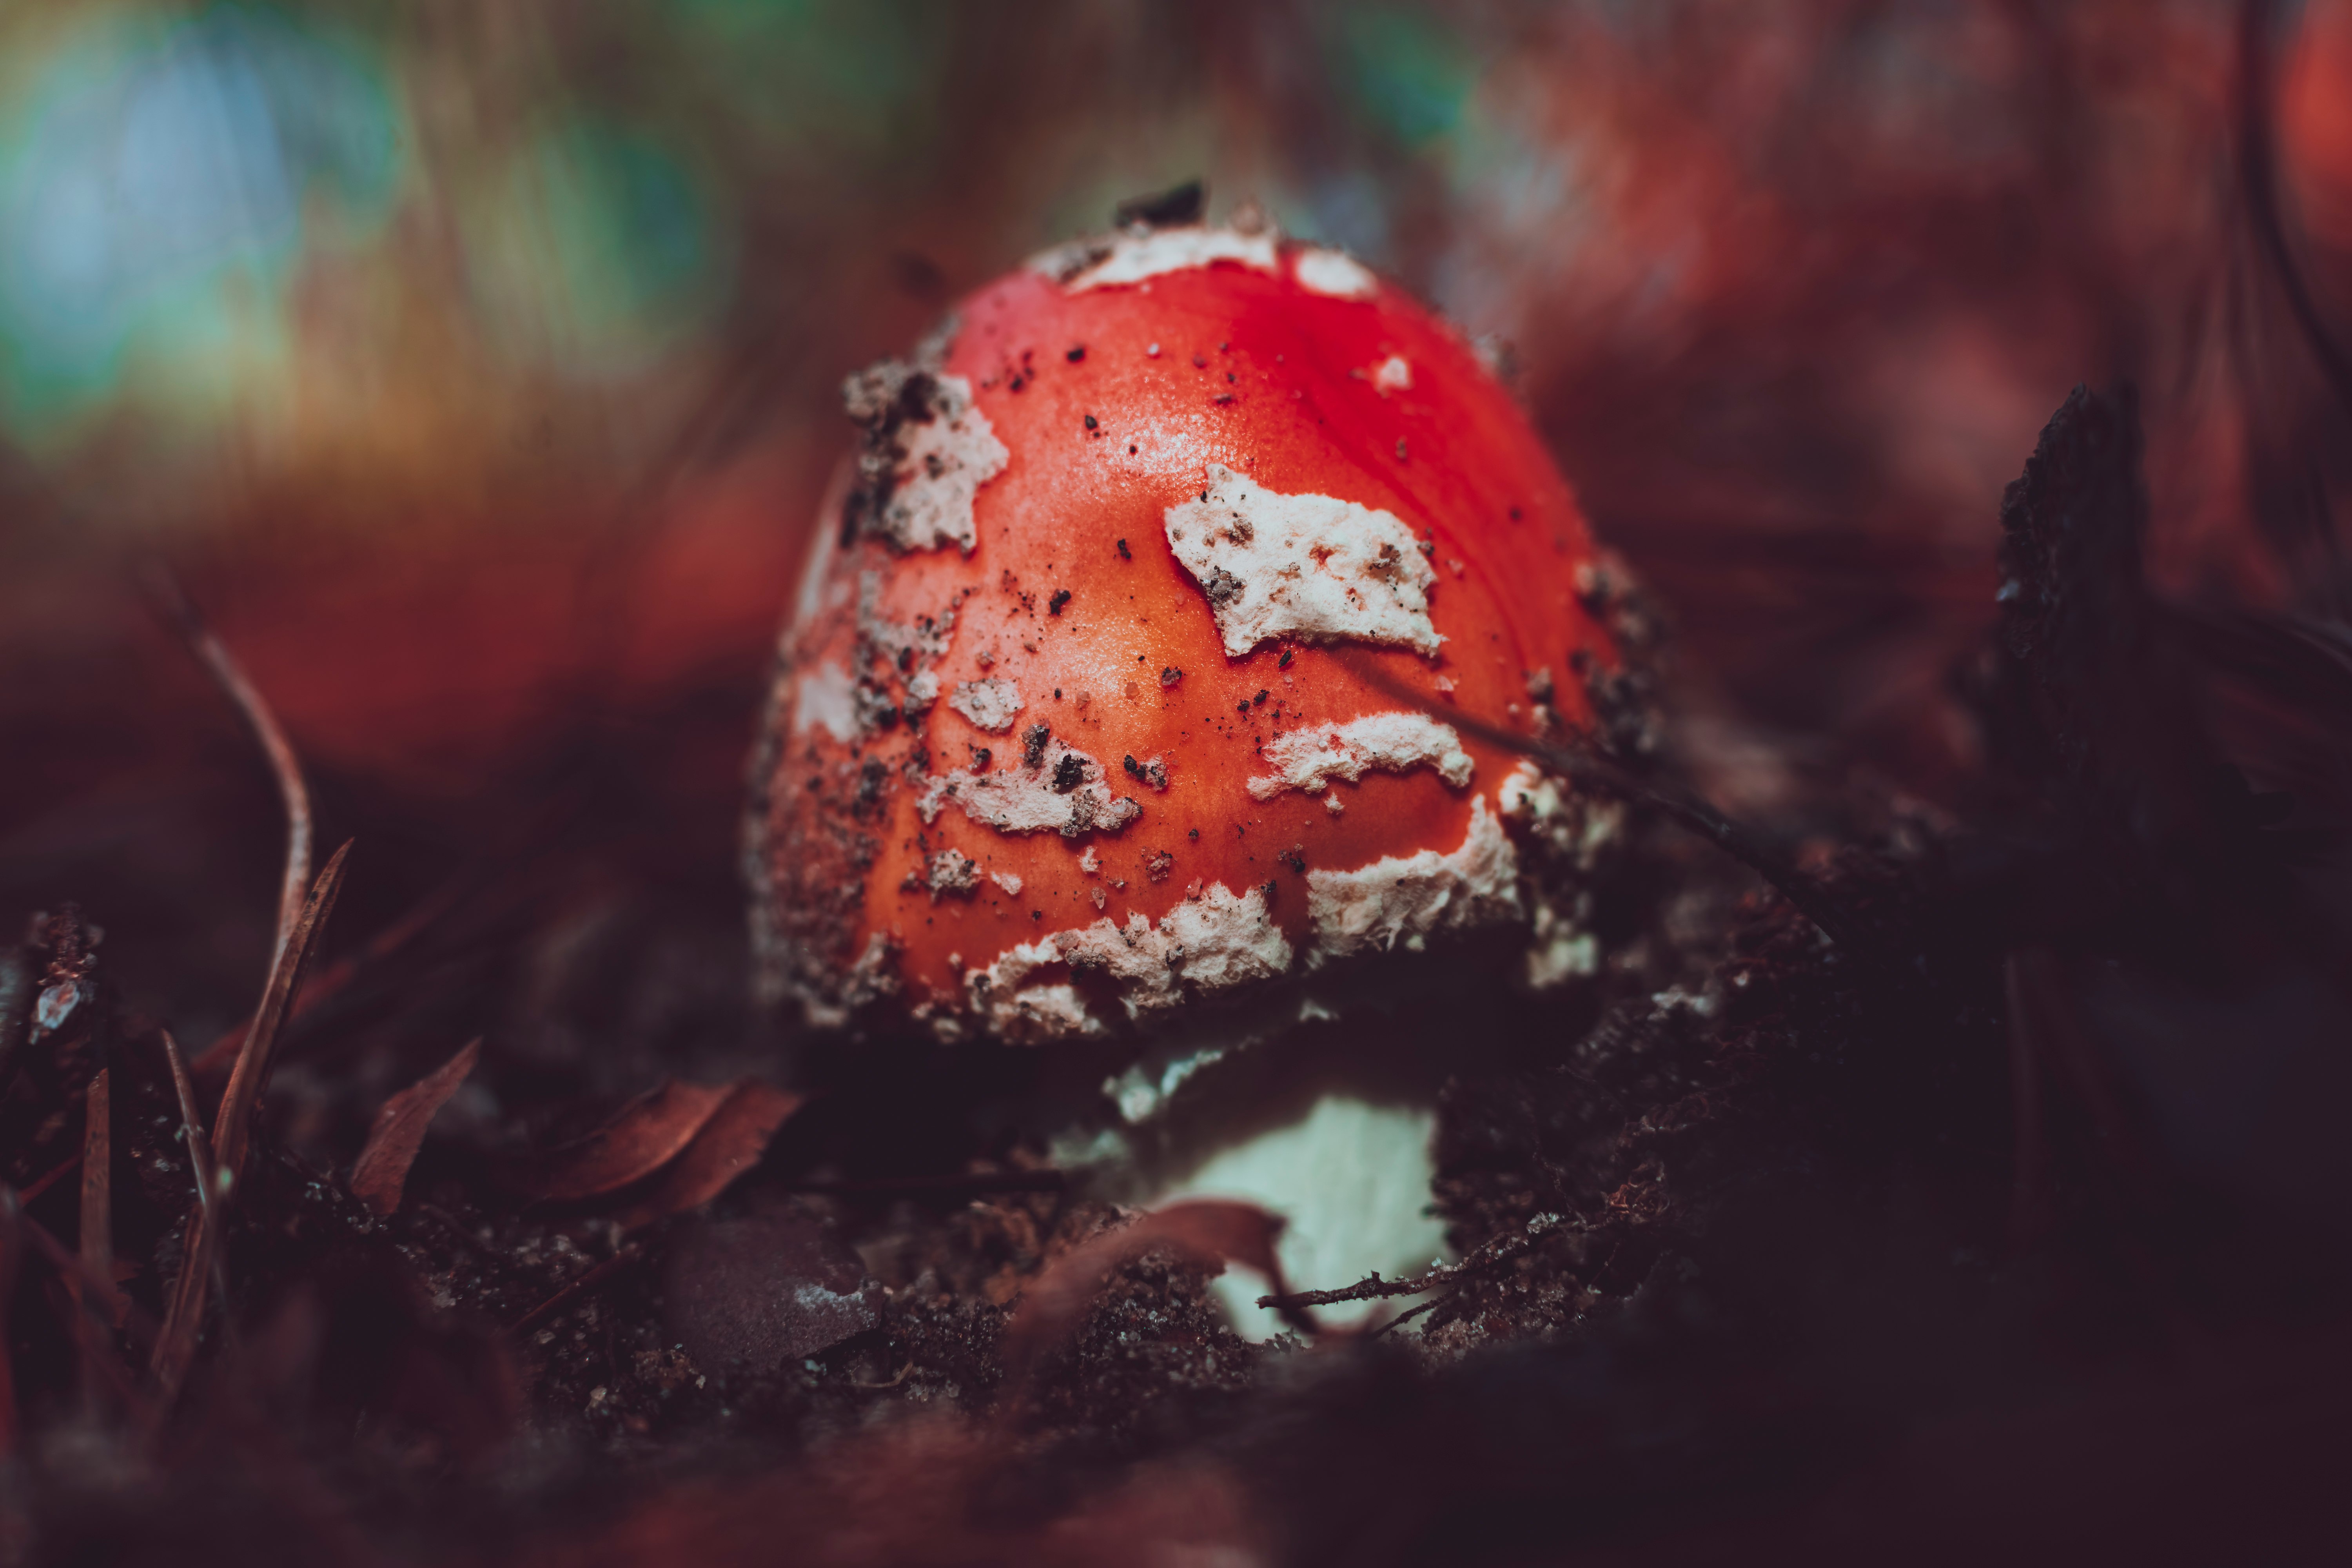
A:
{"x": 398, "y": 1132}
{"x": 646, "y": 1134}
{"x": 1214, "y": 1230}
{"x": 730, "y": 1143}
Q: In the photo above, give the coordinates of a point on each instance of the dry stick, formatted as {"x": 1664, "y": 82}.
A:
{"x": 175, "y": 1347}
{"x": 50, "y": 1178}
{"x": 1409, "y": 1314}
{"x": 101, "y": 1363}
{"x": 1372, "y": 1288}
{"x": 327, "y": 981}
{"x": 96, "y": 1170}
{"x": 192, "y": 1123}
{"x": 80, "y": 1286}
{"x": 1588, "y": 765}
{"x": 105, "y": 1291}
{"x": 233, "y": 1128}
{"x": 200, "y": 1170}
{"x": 571, "y": 1293}
{"x": 89, "y": 1336}
{"x": 297, "y": 928}
{"x": 283, "y": 764}
{"x": 904, "y": 1372}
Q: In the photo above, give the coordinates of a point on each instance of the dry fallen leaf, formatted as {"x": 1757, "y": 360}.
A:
{"x": 730, "y": 1143}
{"x": 1215, "y": 1230}
{"x": 646, "y": 1134}
{"x": 398, "y": 1132}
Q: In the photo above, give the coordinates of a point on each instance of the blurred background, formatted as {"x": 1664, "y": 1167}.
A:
{"x": 474, "y": 362}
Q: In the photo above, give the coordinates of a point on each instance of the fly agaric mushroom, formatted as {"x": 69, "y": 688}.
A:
{"x": 1087, "y": 728}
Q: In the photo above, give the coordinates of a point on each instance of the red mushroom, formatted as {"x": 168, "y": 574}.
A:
{"x": 1078, "y": 726}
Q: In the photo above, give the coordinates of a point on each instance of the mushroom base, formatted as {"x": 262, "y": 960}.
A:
{"x": 1330, "y": 1126}
{"x": 1352, "y": 1179}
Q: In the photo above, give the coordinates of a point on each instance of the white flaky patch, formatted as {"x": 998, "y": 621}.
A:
{"x": 1028, "y": 1014}
{"x": 1394, "y": 374}
{"x": 1336, "y": 273}
{"x": 942, "y": 462}
{"x": 1134, "y": 256}
{"x": 1578, "y": 830}
{"x": 1559, "y": 950}
{"x": 917, "y": 644}
{"x": 1409, "y": 899}
{"x": 1307, "y": 566}
{"x": 1212, "y": 942}
{"x": 922, "y": 690}
{"x": 1215, "y": 940}
{"x": 990, "y": 704}
{"x": 1528, "y": 795}
{"x": 1141, "y": 1091}
{"x": 1021, "y": 799}
{"x": 825, "y": 697}
{"x": 1008, "y": 881}
{"x": 952, "y": 872}
{"x": 1568, "y": 835}
{"x": 1306, "y": 760}
{"x": 871, "y": 978}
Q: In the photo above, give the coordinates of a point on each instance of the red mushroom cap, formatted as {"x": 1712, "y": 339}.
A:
{"x": 1077, "y": 723}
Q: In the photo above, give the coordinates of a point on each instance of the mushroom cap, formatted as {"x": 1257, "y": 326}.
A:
{"x": 1078, "y": 724}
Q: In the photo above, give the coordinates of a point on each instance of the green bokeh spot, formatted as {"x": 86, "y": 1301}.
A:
{"x": 826, "y": 69}
{"x": 160, "y": 180}
{"x": 620, "y": 252}
{"x": 1410, "y": 73}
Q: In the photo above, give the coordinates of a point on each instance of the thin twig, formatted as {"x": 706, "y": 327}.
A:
{"x": 1372, "y": 1288}
{"x": 175, "y": 1347}
{"x": 292, "y": 790}
{"x": 329, "y": 982}
{"x": 1587, "y": 764}
{"x": 97, "y": 1236}
{"x": 233, "y": 1128}
{"x": 51, "y": 1177}
{"x": 192, "y": 1123}
{"x": 203, "y": 1174}
{"x": 69, "y": 1267}
{"x": 903, "y": 1373}
{"x": 1408, "y": 1315}
{"x": 90, "y": 1335}
{"x": 572, "y": 1291}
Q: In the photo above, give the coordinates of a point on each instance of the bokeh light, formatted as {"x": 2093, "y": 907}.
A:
{"x": 161, "y": 178}
{"x": 509, "y": 335}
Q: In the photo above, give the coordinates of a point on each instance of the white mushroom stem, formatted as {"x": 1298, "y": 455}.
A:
{"x": 1352, "y": 1178}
